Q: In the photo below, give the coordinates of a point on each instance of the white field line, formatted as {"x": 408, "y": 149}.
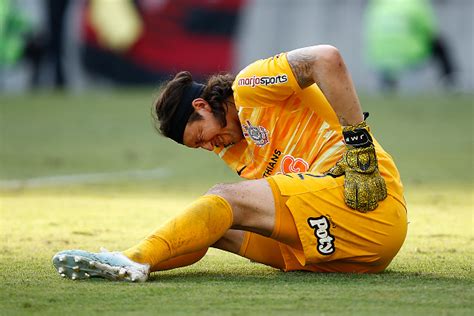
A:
{"x": 157, "y": 173}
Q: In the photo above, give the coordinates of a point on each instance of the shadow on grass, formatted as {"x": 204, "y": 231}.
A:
{"x": 275, "y": 276}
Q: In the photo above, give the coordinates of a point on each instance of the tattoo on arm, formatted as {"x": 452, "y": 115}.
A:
{"x": 301, "y": 63}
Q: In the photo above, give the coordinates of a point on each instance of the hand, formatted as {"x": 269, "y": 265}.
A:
{"x": 363, "y": 184}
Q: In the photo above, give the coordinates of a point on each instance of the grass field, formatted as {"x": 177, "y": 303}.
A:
{"x": 44, "y": 135}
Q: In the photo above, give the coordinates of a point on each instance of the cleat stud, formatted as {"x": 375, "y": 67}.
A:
{"x": 63, "y": 275}
{"x": 62, "y": 258}
{"x": 74, "y": 276}
{"x": 75, "y": 268}
{"x": 77, "y": 259}
{"x": 87, "y": 275}
{"x": 133, "y": 279}
{"x": 61, "y": 270}
{"x": 91, "y": 264}
{"x": 122, "y": 272}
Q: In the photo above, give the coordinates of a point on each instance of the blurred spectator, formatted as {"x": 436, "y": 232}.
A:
{"x": 40, "y": 44}
{"x": 13, "y": 30}
{"x": 56, "y": 11}
{"x": 401, "y": 35}
{"x": 144, "y": 41}
{"x": 19, "y": 41}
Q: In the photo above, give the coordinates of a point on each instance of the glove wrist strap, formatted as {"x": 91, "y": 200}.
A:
{"x": 357, "y": 137}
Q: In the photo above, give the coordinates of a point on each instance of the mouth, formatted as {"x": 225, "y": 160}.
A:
{"x": 222, "y": 142}
{"x": 224, "y": 145}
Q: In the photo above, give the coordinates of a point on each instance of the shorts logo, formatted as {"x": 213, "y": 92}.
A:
{"x": 258, "y": 134}
{"x": 323, "y": 235}
{"x": 290, "y": 164}
{"x": 263, "y": 81}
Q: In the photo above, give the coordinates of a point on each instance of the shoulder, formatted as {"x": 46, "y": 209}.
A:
{"x": 272, "y": 71}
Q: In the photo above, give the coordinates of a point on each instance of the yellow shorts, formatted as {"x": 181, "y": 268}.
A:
{"x": 334, "y": 237}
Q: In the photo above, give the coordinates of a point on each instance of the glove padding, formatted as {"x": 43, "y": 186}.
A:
{"x": 363, "y": 184}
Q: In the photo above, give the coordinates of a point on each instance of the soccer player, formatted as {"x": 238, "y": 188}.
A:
{"x": 322, "y": 194}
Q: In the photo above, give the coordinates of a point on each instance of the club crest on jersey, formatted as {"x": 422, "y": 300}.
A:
{"x": 258, "y": 134}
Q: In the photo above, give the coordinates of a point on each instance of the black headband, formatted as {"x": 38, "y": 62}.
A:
{"x": 183, "y": 112}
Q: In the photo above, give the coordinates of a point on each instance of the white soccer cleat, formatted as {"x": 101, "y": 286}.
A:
{"x": 79, "y": 264}
{"x": 122, "y": 272}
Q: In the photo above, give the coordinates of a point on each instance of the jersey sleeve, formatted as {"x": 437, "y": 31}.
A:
{"x": 265, "y": 83}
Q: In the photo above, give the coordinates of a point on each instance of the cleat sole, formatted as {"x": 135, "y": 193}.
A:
{"x": 80, "y": 265}
{"x": 73, "y": 267}
{"x": 122, "y": 272}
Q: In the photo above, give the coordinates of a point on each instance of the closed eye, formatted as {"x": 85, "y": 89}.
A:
{"x": 199, "y": 140}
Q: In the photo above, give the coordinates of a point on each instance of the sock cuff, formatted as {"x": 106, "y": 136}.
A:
{"x": 223, "y": 203}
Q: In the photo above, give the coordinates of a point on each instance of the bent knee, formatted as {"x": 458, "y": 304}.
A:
{"x": 237, "y": 194}
{"x": 231, "y": 193}
{"x": 223, "y": 190}
{"x": 252, "y": 204}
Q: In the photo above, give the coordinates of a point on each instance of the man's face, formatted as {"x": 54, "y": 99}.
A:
{"x": 208, "y": 132}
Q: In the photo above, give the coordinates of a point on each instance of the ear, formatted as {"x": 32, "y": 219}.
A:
{"x": 201, "y": 104}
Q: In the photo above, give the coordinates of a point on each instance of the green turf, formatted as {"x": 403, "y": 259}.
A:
{"x": 41, "y": 135}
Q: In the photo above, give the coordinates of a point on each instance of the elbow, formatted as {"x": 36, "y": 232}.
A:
{"x": 328, "y": 56}
{"x": 328, "y": 63}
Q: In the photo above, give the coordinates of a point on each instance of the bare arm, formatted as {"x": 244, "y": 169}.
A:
{"x": 324, "y": 66}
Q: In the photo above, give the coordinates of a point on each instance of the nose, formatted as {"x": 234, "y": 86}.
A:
{"x": 207, "y": 146}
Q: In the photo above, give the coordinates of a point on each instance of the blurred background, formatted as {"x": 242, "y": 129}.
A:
{"x": 81, "y": 165}
{"x": 77, "y": 79}
{"x": 403, "y": 45}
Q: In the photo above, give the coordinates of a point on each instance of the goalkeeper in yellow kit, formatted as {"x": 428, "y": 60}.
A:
{"x": 322, "y": 195}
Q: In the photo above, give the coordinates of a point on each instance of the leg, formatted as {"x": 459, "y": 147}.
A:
{"x": 252, "y": 203}
{"x": 56, "y": 18}
{"x": 442, "y": 56}
{"x": 231, "y": 242}
{"x": 388, "y": 81}
{"x": 247, "y": 205}
{"x": 252, "y": 246}
{"x": 249, "y": 245}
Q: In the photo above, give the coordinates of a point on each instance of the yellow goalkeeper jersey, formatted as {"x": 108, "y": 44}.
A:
{"x": 282, "y": 134}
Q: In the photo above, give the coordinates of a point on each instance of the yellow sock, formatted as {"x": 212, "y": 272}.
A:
{"x": 200, "y": 225}
{"x": 180, "y": 261}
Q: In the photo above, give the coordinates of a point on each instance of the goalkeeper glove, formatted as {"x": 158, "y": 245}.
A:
{"x": 363, "y": 184}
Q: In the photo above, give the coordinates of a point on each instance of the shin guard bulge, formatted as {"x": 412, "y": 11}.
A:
{"x": 200, "y": 225}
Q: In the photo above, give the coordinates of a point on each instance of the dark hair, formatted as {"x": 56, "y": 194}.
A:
{"x": 218, "y": 89}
